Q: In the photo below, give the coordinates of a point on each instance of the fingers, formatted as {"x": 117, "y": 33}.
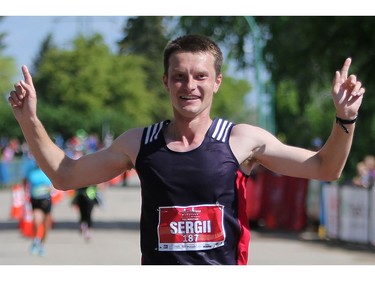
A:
{"x": 342, "y": 81}
{"x": 24, "y": 87}
{"x": 21, "y": 88}
{"x": 358, "y": 89}
{"x": 27, "y": 76}
{"x": 14, "y": 99}
{"x": 345, "y": 68}
{"x": 354, "y": 86}
{"x": 19, "y": 93}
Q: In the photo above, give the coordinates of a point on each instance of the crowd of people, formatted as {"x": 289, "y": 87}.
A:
{"x": 11, "y": 149}
{"x": 82, "y": 142}
{"x": 14, "y": 153}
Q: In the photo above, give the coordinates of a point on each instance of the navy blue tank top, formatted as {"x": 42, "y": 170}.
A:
{"x": 193, "y": 209}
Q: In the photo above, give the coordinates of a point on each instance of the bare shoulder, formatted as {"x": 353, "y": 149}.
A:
{"x": 246, "y": 140}
{"x": 132, "y": 134}
{"x": 242, "y": 132}
{"x": 128, "y": 143}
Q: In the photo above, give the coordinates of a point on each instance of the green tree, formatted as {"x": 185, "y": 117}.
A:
{"x": 231, "y": 32}
{"x": 7, "y": 66}
{"x": 8, "y": 125}
{"x": 229, "y": 100}
{"x": 46, "y": 45}
{"x": 146, "y": 36}
{"x": 2, "y": 36}
{"x": 88, "y": 86}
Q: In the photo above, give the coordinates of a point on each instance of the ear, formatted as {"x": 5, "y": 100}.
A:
{"x": 218, "y": 81}
{"x": 165, "y": 82}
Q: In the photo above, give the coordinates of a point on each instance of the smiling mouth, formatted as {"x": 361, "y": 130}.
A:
{"x": 189, "y": 98}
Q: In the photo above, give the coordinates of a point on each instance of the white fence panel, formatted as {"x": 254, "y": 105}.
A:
{"x": 331, "y": 210}
{"x": 354, "y": 214}
{"x": 372, "y": 217}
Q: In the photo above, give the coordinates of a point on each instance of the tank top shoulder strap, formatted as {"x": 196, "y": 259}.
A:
{"x": 220, "y": 130}
{"x": 153, "y": 132}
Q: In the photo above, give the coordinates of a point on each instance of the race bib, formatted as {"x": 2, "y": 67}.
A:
{"x": 191, "y": 228}
{"x": 41, "y": 191}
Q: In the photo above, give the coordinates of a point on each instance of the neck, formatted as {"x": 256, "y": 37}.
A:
{"x": 185, "y": 135}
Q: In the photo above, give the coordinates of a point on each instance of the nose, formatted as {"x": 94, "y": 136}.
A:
{"x": 191, "y": 83}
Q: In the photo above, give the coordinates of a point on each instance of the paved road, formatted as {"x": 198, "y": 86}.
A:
{"x": 116, "y": 239}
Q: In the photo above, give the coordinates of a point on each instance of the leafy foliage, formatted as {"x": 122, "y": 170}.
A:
{"x": 88, "y": 86}
{"x": 8, "y": 125}
{"x": 147, "y": 37}
{"x": 229, "y": 101}
{"x": 308, "y": 50}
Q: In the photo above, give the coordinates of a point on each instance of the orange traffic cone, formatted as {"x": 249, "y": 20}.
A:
{"x": 18, "y": 201}
{"x": 26, "y": 222}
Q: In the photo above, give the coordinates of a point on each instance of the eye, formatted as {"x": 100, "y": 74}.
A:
{"x": 201, "y": 76}
{"x": 178, "y": 77}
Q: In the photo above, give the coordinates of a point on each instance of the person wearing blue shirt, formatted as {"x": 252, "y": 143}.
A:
{"x": 40, "y": 187}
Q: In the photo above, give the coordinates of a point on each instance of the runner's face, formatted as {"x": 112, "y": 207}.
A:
{"x": 191, "y": 82}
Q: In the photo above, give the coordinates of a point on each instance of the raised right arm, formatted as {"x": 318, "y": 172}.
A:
{"x": 64, "y": 172}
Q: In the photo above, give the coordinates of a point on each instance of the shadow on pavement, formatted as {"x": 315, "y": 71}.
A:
{"x": 108, "y": 225}
{"x": 74, "y": 225}
{"x": 11, "y": 225}
{"x": 313, "y": 238}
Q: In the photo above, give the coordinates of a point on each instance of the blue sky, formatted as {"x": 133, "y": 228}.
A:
{"x": 26, "y": 33}
{"x": 28, "y": 22}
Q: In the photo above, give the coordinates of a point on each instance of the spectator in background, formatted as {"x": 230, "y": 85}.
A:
{"x": 369, "y": 161}
{"x": 11, "y": 150}
{"x": 365, "y": 172}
